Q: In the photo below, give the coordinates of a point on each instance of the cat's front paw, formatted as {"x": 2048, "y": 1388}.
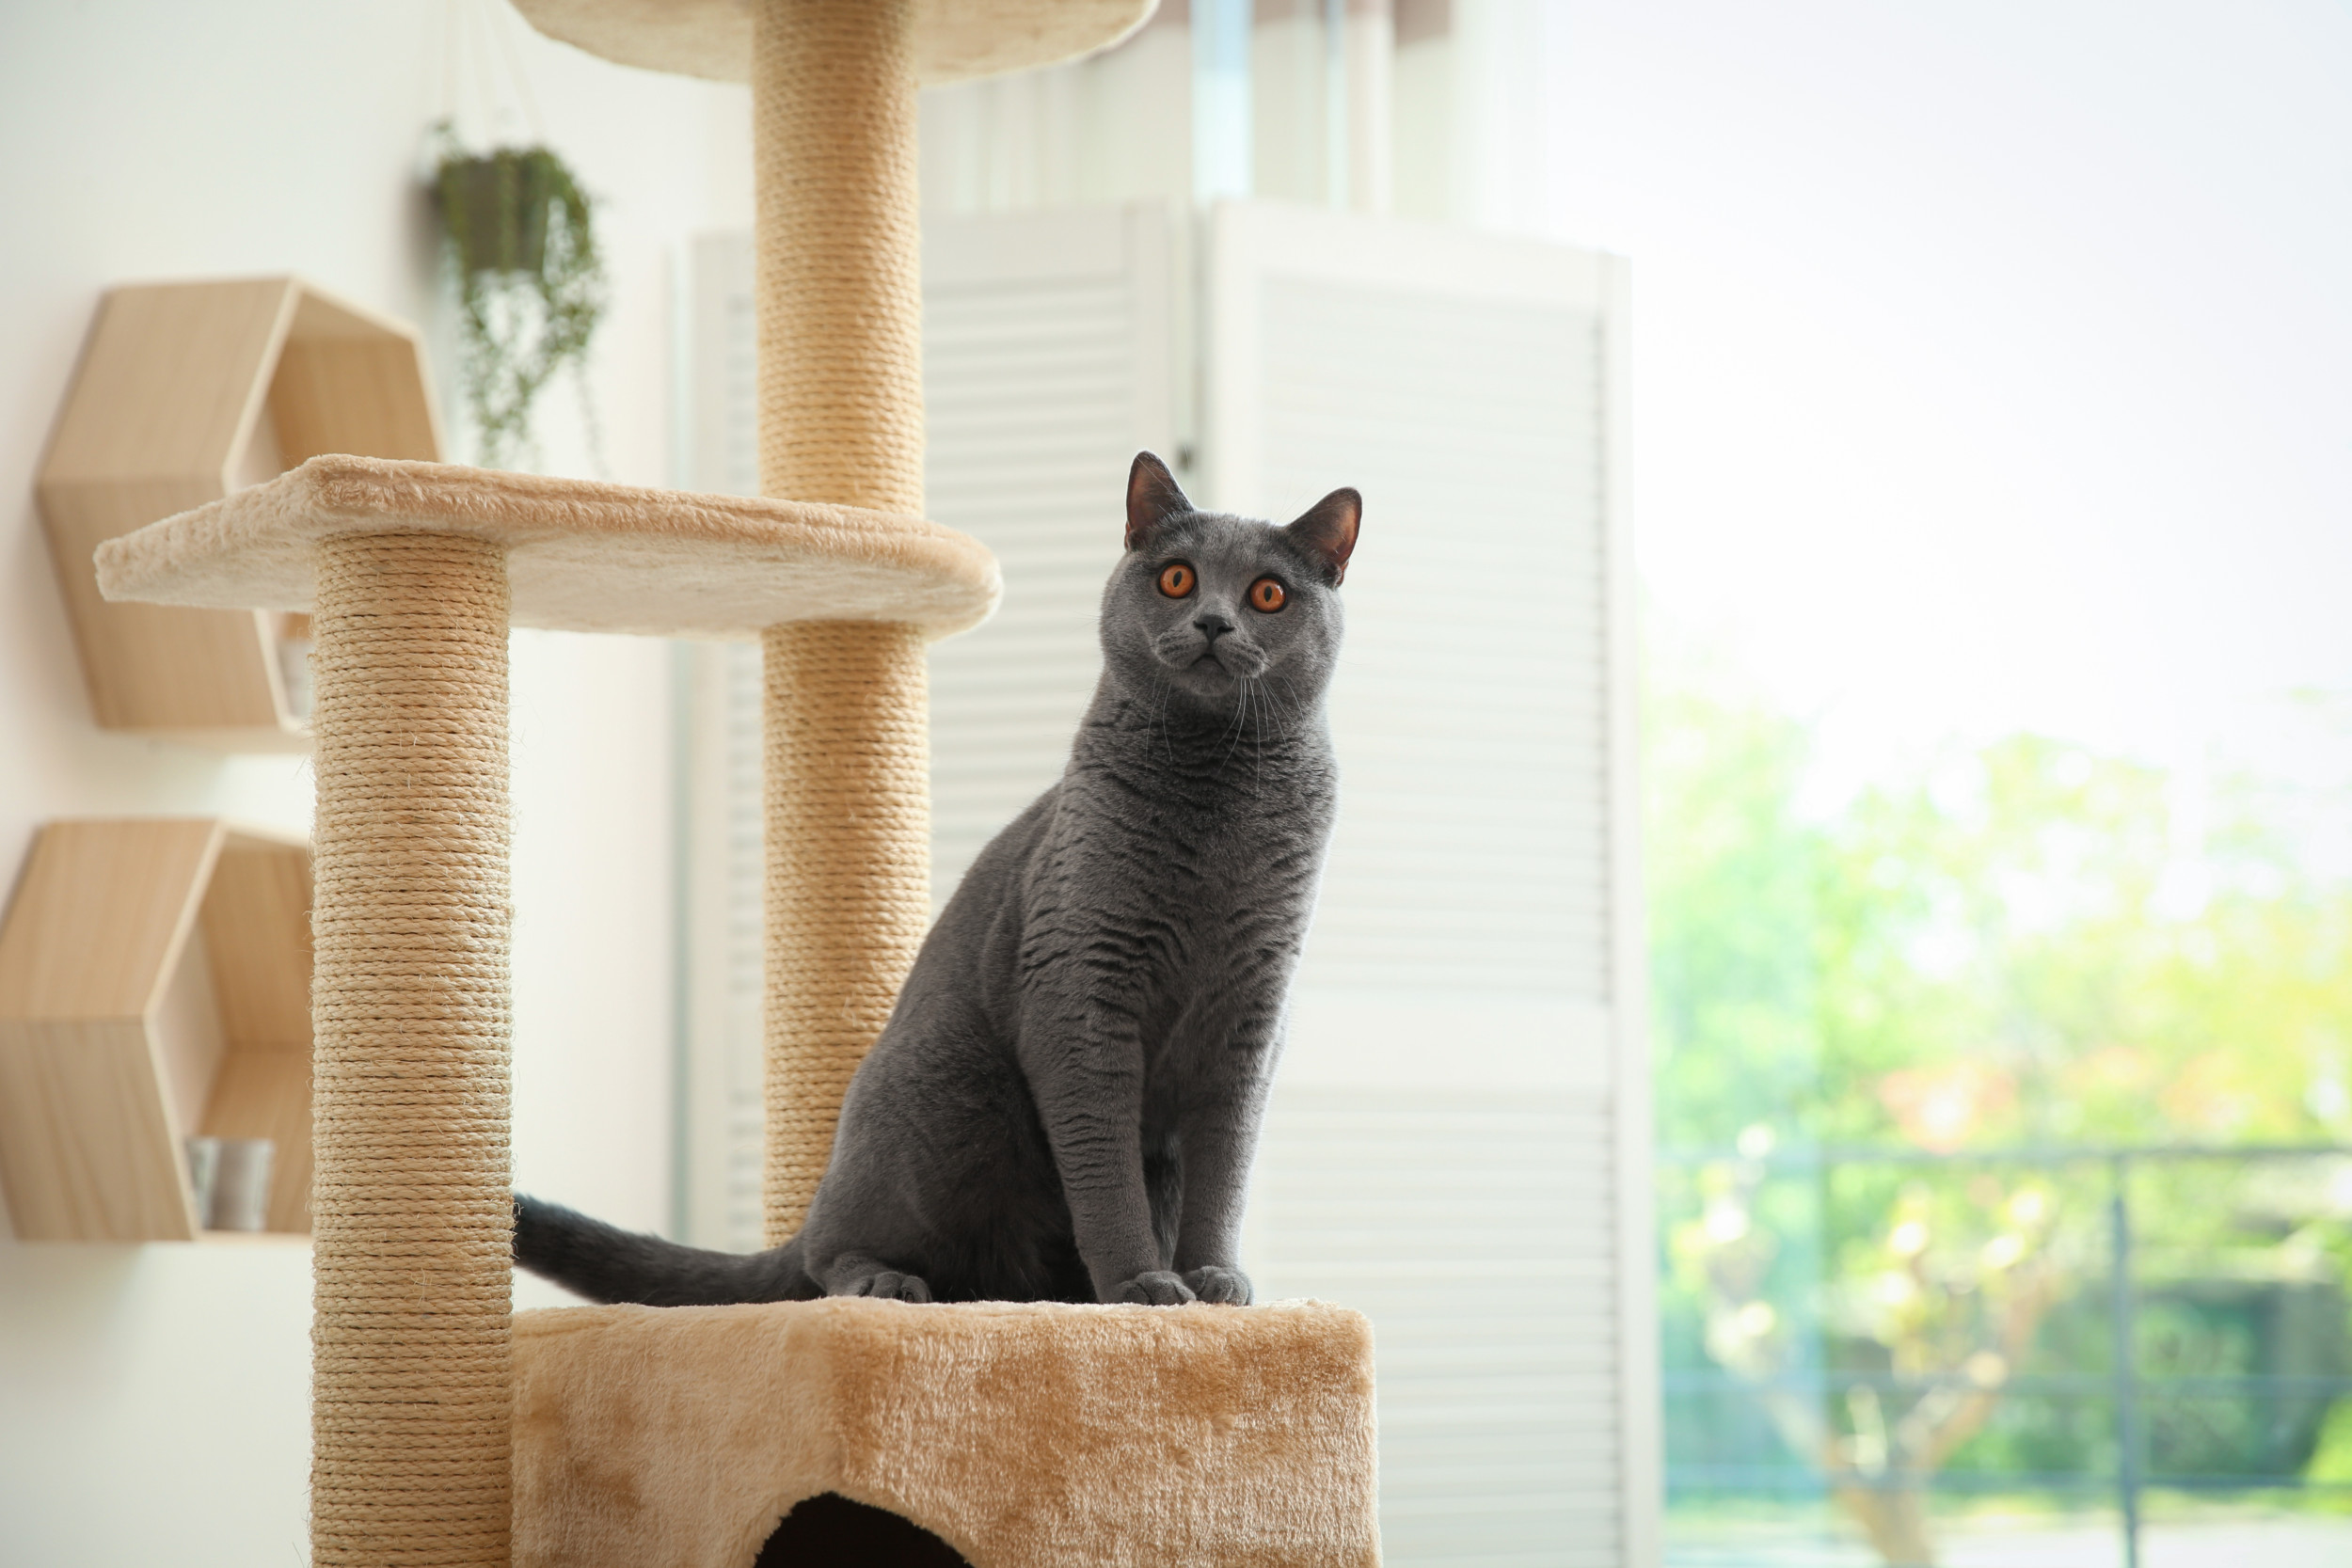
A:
{"x": 1157, "y": 1287}
{"x": 889, "y": 1285}
{"x": 1216, "y": 1283}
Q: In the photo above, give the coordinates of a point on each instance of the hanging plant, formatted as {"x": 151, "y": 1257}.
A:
{"x": 529, "y": 282}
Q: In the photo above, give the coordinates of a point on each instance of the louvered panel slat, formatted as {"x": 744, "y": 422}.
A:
{"x": 1454, "y": 1527}
{"x": 1338, "y": 1138}
{"x": 1474, "y": 427}
{"x": 1477, "y": 1230}
{"x": 1453, "y": 1536}
{"x": 1559, "y": 1212}
{"x": 1577, "y": 1549}
{"x": 1371, "y": 1106}
{"x": 1519, "y": 1179}
{"x": 1338, "y": 1230}
{"x": 1407, "y": 884}
{"x": 1558, "y": 1226}
{"x": 1536, "y": 1398}
{"x": 1405, "y": 876}
{"x": 1477, "y": 1438}
{"x": 1458, "y": 1478}
{"x": 1468, "y": 1462}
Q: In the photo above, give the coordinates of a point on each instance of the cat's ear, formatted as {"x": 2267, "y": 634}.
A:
{"x": 1328, "y": 530}
{"x": 1152, "y": 498}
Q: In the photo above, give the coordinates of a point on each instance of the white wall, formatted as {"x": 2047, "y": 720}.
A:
{"x": 154, "y": 1401}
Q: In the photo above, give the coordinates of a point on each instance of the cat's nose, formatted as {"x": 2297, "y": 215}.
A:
{"x": 1212, "y": 626}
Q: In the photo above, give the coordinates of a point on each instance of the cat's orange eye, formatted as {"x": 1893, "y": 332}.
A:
{"x": 1176, "y": 579}
{"x": 1266, "y": 595}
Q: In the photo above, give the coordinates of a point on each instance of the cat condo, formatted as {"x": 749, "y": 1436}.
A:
{"x": 448, "y": 1429}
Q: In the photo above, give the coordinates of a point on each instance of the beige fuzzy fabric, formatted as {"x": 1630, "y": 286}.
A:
{"x": 1032, "y": 1435}
{"x": 954, "y": 40}
{"x": 581, "y": 555}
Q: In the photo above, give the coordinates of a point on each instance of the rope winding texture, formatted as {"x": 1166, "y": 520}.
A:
{"x": 848, "y": 784}
{"x": 838, "y": 271}
{"x": 839, "y": 290}
{"x": 411, "y": 1214}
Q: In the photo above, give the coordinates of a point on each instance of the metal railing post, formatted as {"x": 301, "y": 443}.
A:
{"x": 2127, "y": 1360}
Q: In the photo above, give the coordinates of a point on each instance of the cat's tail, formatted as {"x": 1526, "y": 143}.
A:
{"x": 604, "y": 1263}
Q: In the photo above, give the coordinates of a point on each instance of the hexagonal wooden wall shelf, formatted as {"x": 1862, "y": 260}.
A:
{"x": 185, "y": 392}
{"x": 154, "y": 982}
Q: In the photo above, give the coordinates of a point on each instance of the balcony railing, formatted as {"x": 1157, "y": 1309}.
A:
{"x": 2081, "y": 1323}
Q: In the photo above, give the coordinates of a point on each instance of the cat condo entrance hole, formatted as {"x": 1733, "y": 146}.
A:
{"x": 829, "y": 1529}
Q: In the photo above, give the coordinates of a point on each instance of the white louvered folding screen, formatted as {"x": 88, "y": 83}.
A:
{"x": 1458, "y": 1143}
{"x": 1458, "y": 1139}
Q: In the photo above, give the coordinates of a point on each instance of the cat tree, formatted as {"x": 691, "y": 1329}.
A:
{"x": 445, "y": 1430}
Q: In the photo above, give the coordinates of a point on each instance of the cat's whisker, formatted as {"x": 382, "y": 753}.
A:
{"x": 1241, "y": 708}
{"x": 1257, "y": 776}
{"x": 1283, "y": 681}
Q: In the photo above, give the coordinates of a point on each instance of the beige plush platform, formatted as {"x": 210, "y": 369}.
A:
{"x": 1026, "y": 1436}
{"x": 581, "y": 555}
{"x": 954, "y": 40}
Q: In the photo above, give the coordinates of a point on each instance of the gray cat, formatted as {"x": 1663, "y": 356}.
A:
{"x": 1065, "y": 1100}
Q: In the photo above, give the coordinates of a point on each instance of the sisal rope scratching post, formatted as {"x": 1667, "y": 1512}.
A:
{"x": 414, "y": 572}
{"x": 411, "y": 1215}
{"x": 848, "y": 785}
{"x": 848, "y": 891}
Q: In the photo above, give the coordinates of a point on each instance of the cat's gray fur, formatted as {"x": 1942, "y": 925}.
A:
{"x": 1064, "y": 1103}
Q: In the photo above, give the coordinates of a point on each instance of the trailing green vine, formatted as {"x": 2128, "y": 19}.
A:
{"x": 530, "y": 284}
